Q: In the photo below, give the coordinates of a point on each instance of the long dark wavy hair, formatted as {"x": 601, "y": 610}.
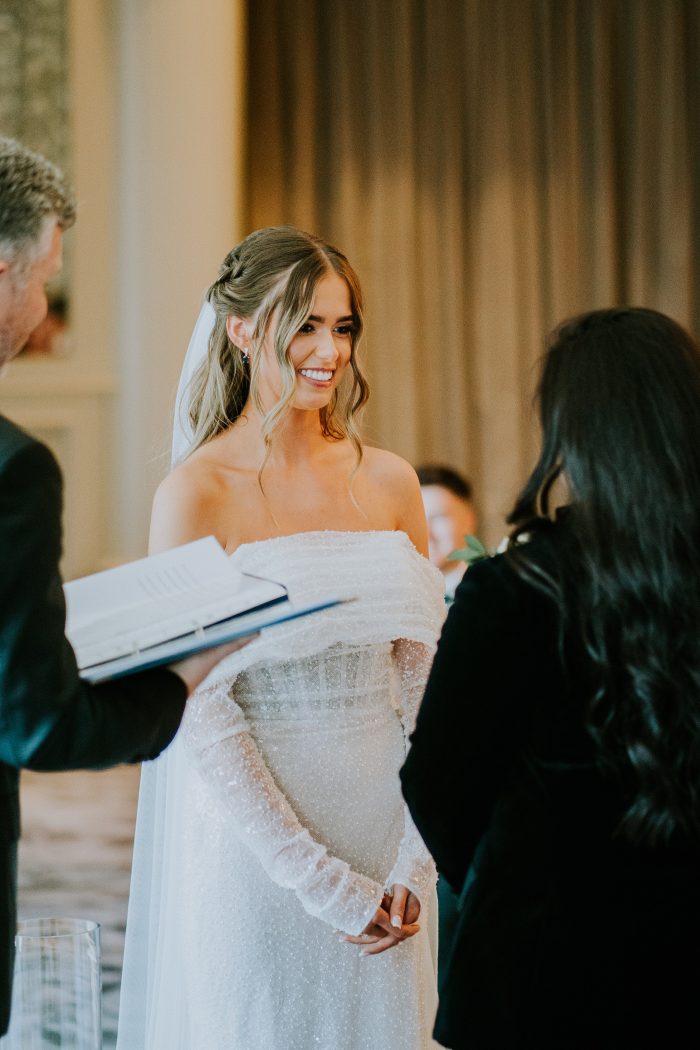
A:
{"x": 619, "y": 404}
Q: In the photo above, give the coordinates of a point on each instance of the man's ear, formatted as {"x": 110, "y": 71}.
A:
{"x": 4, "y": 266}
{"x": 238, "y": 332}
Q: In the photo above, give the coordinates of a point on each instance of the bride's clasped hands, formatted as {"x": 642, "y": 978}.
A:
{"x": 394, "y": 921}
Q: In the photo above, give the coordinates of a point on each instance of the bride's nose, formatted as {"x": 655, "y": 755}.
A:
{"x": 325, "y": 347}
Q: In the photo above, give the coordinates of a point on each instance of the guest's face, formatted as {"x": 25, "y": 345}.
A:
{"x": 23, "y": 303}
{"x": 450, "y": 519}
{"x": 319, "y": 352}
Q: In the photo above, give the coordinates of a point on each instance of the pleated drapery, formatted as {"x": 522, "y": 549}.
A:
{"x": 489, "y": 167}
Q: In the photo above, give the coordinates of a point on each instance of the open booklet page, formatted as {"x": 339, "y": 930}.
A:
{"x": 237, "y": 627}
{"x": 133, "y": 608}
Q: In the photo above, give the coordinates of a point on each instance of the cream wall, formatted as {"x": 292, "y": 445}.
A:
{"x": 157, "y": 110}
{"x": 179, "y": 157}
{"x": 68, "y": 401}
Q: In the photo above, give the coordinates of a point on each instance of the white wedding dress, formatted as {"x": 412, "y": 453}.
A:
{"x": 276, "y": 819}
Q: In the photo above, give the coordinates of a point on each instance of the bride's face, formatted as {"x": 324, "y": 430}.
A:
{"x": 319, "y": 352}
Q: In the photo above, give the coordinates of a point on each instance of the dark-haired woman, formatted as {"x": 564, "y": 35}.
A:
{"x": 555, "y": 768}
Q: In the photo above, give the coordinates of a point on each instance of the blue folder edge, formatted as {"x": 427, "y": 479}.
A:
{"x": 206, "y": 638}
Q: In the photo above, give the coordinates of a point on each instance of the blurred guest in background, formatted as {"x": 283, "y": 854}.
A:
{"x": 49, "y": 336}
{"x": 449, "y": 508}
{"x": 447, "y": 498}
{"x": 555, "y": 767}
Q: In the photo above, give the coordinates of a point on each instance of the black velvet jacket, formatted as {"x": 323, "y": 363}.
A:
{"x": 49, "y": 719}
{"x": 568, "y": 935}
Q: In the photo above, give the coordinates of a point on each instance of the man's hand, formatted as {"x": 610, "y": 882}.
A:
{"x": 194, "y": 669}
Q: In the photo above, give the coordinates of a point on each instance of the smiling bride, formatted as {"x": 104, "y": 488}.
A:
{"x": 281, "y": 898}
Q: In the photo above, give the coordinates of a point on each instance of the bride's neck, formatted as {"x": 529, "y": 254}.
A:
{"x": 297, "y": 437}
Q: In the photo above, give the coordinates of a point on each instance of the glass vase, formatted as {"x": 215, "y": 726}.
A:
{"x": 57, "y": 986}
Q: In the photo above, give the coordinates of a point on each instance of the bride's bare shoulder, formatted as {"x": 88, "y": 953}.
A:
{"x": 395, "y": 482}
{"x": 190, "y": 502}
{"x": 386, "y": 468}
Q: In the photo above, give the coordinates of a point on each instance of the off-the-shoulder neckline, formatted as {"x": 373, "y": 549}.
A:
{"x": 400, "y": 533}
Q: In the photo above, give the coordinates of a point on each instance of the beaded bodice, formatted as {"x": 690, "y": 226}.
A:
{"x": 346, "y": 682}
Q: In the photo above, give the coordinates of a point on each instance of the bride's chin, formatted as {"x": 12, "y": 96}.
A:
{"x": 310, "y": 400}
{"x": 310, "y": 404}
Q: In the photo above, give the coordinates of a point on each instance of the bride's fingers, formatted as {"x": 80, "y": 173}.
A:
{"x": 389, "y": 942}
{"x": 409, "y": 930}
{"x": 398, "y": 906}
{"x": 363, "y": 938}
{"x": 373, "y": 934}
{"x": 412, "y": 910}
{"x": 381, "y": 919}
{"x": 381, "y": 946}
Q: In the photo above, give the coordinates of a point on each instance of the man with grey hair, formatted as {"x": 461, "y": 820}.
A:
{"x": 36, "y": 206}
{"x": 49, "y": 718}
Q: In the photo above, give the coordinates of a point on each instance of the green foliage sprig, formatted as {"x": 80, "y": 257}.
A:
{"x": 474, "y": 551}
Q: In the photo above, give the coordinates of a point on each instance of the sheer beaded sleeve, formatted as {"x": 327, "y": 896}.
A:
{"x": 414, "y": 867}
{"x": 216, "y": 734}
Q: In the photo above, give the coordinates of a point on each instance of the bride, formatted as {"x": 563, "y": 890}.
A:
{"x": 281, "y": 898}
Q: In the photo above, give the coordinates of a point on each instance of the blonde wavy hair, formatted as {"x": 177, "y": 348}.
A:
{"x": 274, "y": 269}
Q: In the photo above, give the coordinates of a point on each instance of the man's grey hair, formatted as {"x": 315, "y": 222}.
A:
{"x": 31, "y": 188}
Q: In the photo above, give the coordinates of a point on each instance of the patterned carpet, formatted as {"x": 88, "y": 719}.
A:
{"x": 75, "y": 858}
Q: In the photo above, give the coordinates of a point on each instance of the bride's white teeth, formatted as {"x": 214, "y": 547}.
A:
{"x": 320, "y": 374}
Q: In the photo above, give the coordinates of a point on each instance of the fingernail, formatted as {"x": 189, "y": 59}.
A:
{"x": 364, "y": 954}
{"x": 396, "y": 922}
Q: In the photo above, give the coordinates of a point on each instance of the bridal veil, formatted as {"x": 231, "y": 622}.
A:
{"x": 151, "y": 955}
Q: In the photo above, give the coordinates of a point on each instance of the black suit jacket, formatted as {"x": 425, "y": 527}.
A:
{"x": 49, "y": 719}
{"x": 568, "y": 936}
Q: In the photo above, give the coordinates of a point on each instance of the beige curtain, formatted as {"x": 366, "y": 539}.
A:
{"x": 490, "y": 167}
